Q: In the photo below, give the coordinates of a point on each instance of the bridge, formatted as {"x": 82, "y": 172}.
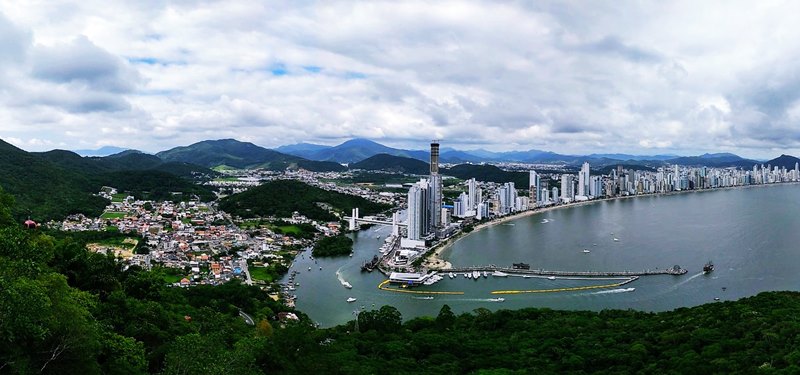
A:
{"x": 354, "y": 220}
{"x": 492, "y": 268}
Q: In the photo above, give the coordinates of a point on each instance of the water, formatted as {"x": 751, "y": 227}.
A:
{"x": 750, "y": 234}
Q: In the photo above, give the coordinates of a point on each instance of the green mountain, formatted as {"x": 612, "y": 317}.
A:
{"x": 488, "y": 173}
{"x": 391, "y": 163}
{"x": 243, "y": 155}
{"x": 44, "y": 190}
{"x": 783, "y": 161}
{"x": 359, "y": 149}
{"x": 53, "y": 184}
{"x": 281, "y": 198}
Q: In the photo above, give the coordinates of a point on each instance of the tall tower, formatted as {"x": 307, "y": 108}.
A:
{"x": 583, "y": 180}
{"x": 435, "y": 208}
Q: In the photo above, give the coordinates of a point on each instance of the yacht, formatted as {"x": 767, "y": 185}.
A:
{"x": 476, "y": 275}
{"x": 499, "y": 274}
{"x": 452, "y": 275}
{"x": 586, "y": 251}
{"x": 351, "y": 299}
{"x": 616, "y": 239}
{"x": 551, "y": 278}
{"x": 501, "y": 299}
{"x": 347, "y": 285}
{"x": 485, "y": 274}
{"x": 309, "y": 268}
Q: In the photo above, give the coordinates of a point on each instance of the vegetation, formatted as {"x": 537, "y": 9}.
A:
{"x": 391, "y": 163}
{"x": 54, "y": 184}
{"x": 281, "y": 198}
{"x": 378, "y": 178}
{"x": 64, "y": 310}
{"x": 333, "y": 246}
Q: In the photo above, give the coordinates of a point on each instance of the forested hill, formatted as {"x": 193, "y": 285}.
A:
{"x": 53, "y": 184}
{"x": 64, "y": 310}
{"x": 281, "y": 198}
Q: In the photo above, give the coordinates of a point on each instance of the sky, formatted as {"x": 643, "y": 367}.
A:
{"x": 659, "y": 77}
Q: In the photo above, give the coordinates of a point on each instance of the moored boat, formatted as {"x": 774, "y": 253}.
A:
{"x": 351, "y": 299}
{"x": 499, "y": 274}
{"x": 708, "y": 267}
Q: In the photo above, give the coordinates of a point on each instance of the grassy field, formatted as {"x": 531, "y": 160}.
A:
{"x": 260, "y": 273}
{"x": 112, "y": 215}
{"x": 290, "y": 229}
{"x": 118, "y": 197}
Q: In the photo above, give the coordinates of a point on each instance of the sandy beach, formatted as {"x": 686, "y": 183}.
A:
{"x": 434, "y": 260}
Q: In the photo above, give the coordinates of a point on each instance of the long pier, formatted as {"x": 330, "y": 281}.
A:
{"x": 492, "y": 268}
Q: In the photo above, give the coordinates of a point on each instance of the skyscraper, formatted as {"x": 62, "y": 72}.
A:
{"x": 435, "y": 206}
{"x": 583, "y": 180}
{"x": 534, "y": 188}
{"x": 567, "y": 192}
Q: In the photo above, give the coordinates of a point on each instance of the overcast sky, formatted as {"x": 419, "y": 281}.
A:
{"x": 576, "y": 77}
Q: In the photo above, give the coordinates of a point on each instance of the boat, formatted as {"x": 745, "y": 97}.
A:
{"x": 452, "y": 275}
{"x": 468, "y": 275}
{"x": 351, "y": 299}
{"x": 551, "y": 278}
{"x": 485, "y": 274}
{"x": 347, "y": 285}
{"x": 426, "y": 297}
{"x": 616, "y": 239}
{"x": 501, "y": 299}
{"x": 378, "y": 237}
{"x": 320, "y": 268}
{"x": 499, "y": 274}
{"x": 309, "y": 268}
{"x": 716, "y": 298}
{"x": 521, "y": 266}
{"x": 351, "y": 255}
{"x": 708, "y": 267}
{"x": 476, "y": 275}
{"x": 586, "y": 251}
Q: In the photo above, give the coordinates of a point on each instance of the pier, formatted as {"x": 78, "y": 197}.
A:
{"x": 676, "y": 271}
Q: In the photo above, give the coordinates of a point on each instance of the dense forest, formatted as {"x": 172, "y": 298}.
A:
{"x": 64, "y": 310}
{"x": 281, "y": 198}
{"x": 333, "y": 246}
{"x": 53, "y": 184}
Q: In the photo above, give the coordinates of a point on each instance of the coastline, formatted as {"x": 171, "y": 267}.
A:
{"x": 434, "y": 261}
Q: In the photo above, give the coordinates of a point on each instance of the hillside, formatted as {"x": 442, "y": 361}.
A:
{"x": 489, "y": 173}
{"x": 714, "y": 160}
{"x": 283, "y": 197}
{"x": 53, "y": 184}
{"x": 783, "y": 161}
{"x": 43, "y": 190}
{"x": 243, "y": 155}
{"x": 391, "y": 163}
{"x": 359, "y": 149}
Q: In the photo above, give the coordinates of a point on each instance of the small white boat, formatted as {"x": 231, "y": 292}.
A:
{"x": 309, "y": 268}
{"x": 320, "y": 268}
{"x": 485, "y": 274}
{"x": 468, "y": 275}
{"x": 351, "y": 255}
{"x": 616, "y": 239}
{"x": 476, "y": 275}
{"x": 586, "y": 251}
{"x": 351, "y": 299}
{"x": 426, "y": 297}
{"x": 347, "y": 285}
{"x": 501, "y": 299}
{"x": 551, "y": 278}
{"x": 499, "y": 274}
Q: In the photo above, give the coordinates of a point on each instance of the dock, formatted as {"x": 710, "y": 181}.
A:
{"x": 676, "y": 271}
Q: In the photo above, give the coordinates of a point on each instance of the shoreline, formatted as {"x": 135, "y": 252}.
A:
{"x": 434, "y": 261}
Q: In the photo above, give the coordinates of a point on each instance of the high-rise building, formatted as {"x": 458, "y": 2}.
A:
{"x": 567, "y": 183}
{"x": 583, "y": 180}
{"x": 435, "y": 207}
{"x": 596, "y": 186}
{"x": 507, "y": 195}
{"x": 418, "y": 210}
{"x": 534, "y": 188}
{"x": 472, "y": 194}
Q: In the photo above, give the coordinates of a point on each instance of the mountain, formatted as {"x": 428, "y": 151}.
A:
{"x": 359, "y": 149}
{"x": 391, "y": 163}
{"x": 238, "y": 154}
{"x": 301, "y": 149}
{"x": 783, "y": 161}
{"x": 719, "y": 160}
{"x": 632, "y": 157}
{"x": 487, "y": 172}
{"x": 44, "y": 190}
{"x": 280, "y": 198}
{"x": 102, "y": 151}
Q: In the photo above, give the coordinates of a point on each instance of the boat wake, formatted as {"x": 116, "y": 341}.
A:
{"x": 615, "y": 291}
{"x": 676, "y": 286}
{"x": 341, "y": 279}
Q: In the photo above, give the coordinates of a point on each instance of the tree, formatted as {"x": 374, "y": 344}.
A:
{"x": 446, "y": 317}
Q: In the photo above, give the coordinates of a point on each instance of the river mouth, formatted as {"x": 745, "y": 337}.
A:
{"x": 746, "y": 232}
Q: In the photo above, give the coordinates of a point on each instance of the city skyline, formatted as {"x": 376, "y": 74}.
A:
{"x": 678, "y": 77}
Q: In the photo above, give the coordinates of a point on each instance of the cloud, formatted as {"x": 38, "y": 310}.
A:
{"x": 683, "y": 77}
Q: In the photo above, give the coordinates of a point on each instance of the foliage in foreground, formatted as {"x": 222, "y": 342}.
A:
{"x": 66, "y": 311}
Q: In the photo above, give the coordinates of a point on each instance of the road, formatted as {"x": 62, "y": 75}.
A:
{"x": 246, "y": 271}
{"x": 247, "y": 318}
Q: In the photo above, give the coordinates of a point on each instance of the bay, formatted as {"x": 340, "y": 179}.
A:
{"x": 751, "y": 234}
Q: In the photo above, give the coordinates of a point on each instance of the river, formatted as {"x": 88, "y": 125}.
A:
{"x": 751, "y": 234}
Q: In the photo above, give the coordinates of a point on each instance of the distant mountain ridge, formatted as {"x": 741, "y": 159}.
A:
{"x": 102, "y": 151}
{"x": 244, "y": 155}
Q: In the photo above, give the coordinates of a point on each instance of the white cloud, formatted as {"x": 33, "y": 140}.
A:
{"x": 614, "y": 77}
